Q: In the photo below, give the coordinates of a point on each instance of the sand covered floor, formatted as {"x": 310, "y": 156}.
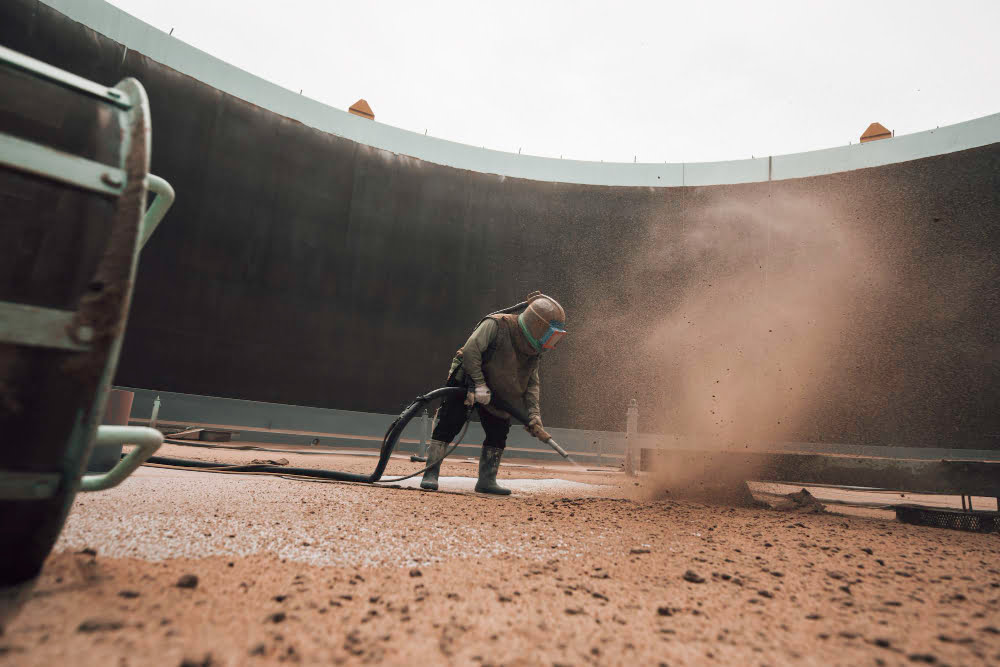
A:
{"x": 192, "y": 568}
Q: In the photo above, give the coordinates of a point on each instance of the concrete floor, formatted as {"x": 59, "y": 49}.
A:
{"x": 576, "y": 567}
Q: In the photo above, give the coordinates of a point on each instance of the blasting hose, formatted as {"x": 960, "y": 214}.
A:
{"x": 389, "y": 442}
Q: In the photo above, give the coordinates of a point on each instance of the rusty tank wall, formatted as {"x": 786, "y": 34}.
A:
{"x": 304, "y": 268}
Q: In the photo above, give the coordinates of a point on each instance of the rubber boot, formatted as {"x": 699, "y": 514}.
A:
{"x": 489, "y": 463}
{"x": 435, "y": 452}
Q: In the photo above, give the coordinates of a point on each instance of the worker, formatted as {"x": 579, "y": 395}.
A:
{"x": 500, "y": 359}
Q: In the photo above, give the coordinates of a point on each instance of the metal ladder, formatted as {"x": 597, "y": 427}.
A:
{"x": 74, "y": 164}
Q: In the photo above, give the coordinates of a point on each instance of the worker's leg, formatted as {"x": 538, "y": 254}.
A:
{"x": 450, "y": 420}
{"x": 496, "y": 429}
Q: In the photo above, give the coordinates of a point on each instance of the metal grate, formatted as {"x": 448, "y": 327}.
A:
{"x": 970, "y": 520}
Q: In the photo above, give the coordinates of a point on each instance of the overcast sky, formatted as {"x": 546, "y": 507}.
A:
{"x": 617, "y": 81}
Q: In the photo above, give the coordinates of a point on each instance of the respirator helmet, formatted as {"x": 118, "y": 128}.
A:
{"x": 543, "y": 322}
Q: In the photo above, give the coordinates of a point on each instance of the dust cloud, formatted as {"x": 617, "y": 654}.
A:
{"x": 769, "y": 296}
{"x": 766, "y": 297}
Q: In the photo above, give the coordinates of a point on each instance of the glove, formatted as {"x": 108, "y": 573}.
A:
{"x": 482, "y": 395}
{"x": 534, "y": 427}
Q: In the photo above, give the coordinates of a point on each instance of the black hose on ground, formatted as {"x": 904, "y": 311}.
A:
{"x": 389, "y": 442}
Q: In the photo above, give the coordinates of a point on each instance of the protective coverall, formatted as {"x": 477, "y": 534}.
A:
{"x": 501, "y": 359}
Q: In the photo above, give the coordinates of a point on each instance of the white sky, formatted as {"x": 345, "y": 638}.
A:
{"x": 662, "y": 81}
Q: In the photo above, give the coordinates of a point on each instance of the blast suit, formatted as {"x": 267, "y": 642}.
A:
{"x": 501, "y": 359}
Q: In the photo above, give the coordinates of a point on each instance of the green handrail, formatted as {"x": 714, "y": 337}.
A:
{"x": 147, "y": 441}
{"x": 161, "y": 204}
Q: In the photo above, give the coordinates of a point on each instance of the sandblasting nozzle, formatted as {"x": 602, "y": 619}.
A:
{"x": 555, "y": 445}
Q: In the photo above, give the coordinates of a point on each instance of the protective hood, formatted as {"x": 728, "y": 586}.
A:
{"x": 543, "y": 322}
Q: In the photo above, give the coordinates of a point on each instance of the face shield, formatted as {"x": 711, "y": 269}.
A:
{"x": 552, "y": 335}
{"x": 543, "y": 322}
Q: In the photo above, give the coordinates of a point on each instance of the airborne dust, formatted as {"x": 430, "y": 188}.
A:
{"x": 749, "y": 342}
{"x": 762, "y": 317}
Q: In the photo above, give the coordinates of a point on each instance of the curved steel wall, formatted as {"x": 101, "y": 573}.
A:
{"x": 134, "y": 34}
{"x": 303, "y": 267}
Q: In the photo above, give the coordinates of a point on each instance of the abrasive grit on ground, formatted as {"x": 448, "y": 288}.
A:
{"x": 193, "y": 568}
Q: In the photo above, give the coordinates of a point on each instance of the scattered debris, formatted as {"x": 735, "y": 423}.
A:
{"x": 188, "y": 581}
{"x": 693, "y": 577}
{"x": 270, "y": 462}
{"x": 99, "y": 625}
{"x": 804, "y": 502}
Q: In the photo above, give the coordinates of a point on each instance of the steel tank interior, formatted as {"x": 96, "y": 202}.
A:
{"x": 318, "y": 259}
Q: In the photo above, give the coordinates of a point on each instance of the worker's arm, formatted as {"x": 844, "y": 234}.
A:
{"x": 472, "y": 351}
{"x": 532, "y": 394}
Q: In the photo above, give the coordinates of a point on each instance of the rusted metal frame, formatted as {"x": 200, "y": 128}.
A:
{"x": 33, "y": 158}
{"x": 41, "y": 70}
{"x": 135, "y": 162}
{"x": 34, "y": 326}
